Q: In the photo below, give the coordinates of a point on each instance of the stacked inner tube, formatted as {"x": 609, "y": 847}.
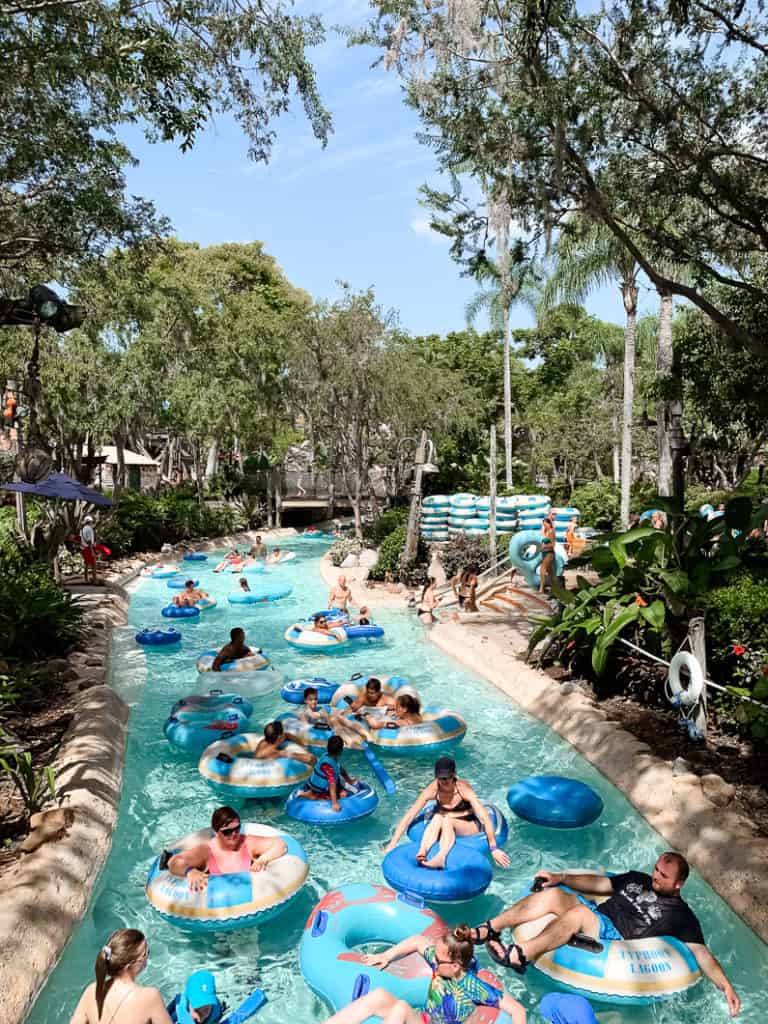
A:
{"x": 434, "y": 517}
{"x": 532, "y": 510}
{"x": 463, "y": 516}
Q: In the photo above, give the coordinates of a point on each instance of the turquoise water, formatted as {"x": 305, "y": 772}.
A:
{"x": 164, "y": 798}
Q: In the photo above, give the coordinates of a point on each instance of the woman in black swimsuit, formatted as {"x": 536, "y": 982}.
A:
{"x": 457, "y": 812}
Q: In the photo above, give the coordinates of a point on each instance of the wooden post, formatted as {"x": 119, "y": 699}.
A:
{"x": 492, "y": 492}
{"x": 697, "y": 639}
{"x": 412, "y": 531}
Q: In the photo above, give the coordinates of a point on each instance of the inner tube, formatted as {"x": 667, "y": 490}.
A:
{"x": 238, "y": 900}
{"x": 195, "y": 733}
{"x": 160, "y": 572}
{"x": 479, "y": 841}
{"x": 362, "y": 801}
{"x": 260, "y": 595}
{"x": 254, "y": 568}
{"x": 436, "y": 501}
{"x": 355, "y": 686}
{"x": 441, "y": 730}
{"x": 255, "y": 661}
{"x": 681, "y": 693}
{"x": 211, "y": 702}
{"x": 195, "y": 556}
{"x": 632, "y": 972}
{"x": 294, "y": 691}
{"x": 467, "y": 873}
{"x": 370, "y": 632}
{"x": 157, "y": 637}
{"x": 309, "y": 640}
{"x": 554, "y": 801}
{"x": 172, "y": 611}
{"x": 523, "y": 554}
{"x": 315, "y": 736}
{"x": 179, "y": 583}
{"x": 205, "y": 603}
{"x": 361, "y": 914}
{"x": 229, "y": 767}
{"x": 459, "y": 501}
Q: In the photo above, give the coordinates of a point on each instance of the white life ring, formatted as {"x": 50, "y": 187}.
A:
{"x": 687, "y": 695}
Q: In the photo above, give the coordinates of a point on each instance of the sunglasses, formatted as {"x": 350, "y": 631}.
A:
{"x": 231, "y": 830}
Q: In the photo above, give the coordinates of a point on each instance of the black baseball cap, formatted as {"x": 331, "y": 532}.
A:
{"x": 445, "y": 768}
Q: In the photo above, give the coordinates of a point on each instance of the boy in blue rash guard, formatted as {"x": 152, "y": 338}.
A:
{"x": 325, "y": 783}
{"x": 199, "y": 1003}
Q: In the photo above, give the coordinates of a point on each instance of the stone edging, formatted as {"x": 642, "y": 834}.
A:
{"x": 718, "y": 842}
{"x": 47, "y": 892}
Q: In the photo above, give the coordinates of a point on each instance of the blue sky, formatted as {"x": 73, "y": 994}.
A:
{"x": 349, "y": 212}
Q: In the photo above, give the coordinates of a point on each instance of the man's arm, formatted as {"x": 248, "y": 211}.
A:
{"x": 710, "y": 967}
{"x": 220, "y": 658}
{"x": 600, "y": 884}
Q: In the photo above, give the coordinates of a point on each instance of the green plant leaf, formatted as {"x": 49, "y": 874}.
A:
{"x": 655, "y": 614}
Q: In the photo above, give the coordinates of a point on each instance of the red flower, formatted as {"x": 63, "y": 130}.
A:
{"x": 641, "y": 601}
{"x": 765, "y": 670}
{"x": 738, "y": 650}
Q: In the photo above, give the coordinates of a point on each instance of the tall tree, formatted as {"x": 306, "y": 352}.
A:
{"x": 648, "y": 116}
{"x": 587, "y": 256}
{"x": 75, "y": 72}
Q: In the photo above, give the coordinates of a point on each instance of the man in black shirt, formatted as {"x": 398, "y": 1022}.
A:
{"x": 639, "y": 906}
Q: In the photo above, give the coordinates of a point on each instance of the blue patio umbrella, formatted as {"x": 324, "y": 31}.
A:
{"x": 59, "y": 485}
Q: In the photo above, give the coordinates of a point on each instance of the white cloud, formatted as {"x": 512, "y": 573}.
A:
{"x": 421, "y": 226}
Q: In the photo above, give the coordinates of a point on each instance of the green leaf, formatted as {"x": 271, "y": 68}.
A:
{"x": 760, "y": 691}
{"x": 654, "y": 614}
{"x": 738, "y": 513}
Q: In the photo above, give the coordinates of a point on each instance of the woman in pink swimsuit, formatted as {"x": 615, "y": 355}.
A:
{"x": 228, "y": 853}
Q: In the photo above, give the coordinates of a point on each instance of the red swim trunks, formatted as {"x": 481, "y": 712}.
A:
{"x": 89, "y": 556}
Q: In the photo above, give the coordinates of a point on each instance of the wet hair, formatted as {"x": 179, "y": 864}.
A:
{"x": 310, "y": 690}
{"x": 364, "y": 609}
{"x": 223, "y": 816}
{"x": 244, "y": 583}
{"x": 236, "y": 633}
{"x": 409, "y": 702}
{"x": 273, "y": 731}
{"x": 430, "y": 582}
{"x": 189, "y": 583}
{"x": 121, "y": 949}
{"x": 683, "y": 869}
{"x": 374, "y": 685}
{"x": 335, "y": 746}
{"x": 461, "y": 949}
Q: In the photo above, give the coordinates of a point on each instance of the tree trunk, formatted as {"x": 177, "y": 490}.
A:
{"x": 629, "y": 296}
{"x": 664, "y": 360}
{"x": 278, "y": 497}
{"x": 212, "y": 461}
{"x": 616, "y": 448}
{"x": 119, "y": 477}
{"x": 270, "y": 516}
{"x": 332, "y": 480}
{"x": 507, "y": 401}
{"x": 198, "y": 470}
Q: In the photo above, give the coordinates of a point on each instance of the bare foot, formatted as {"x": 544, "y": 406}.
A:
{"x": 436, "y": 863}
{"x": 421, "y": 856}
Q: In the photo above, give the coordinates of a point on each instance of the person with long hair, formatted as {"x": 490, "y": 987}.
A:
{"x": 428, "y": 602}
{"x": 115, "y": 997}
{"x": 454, "y": 991}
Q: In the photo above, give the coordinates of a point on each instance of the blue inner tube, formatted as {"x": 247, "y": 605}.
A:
{"x": 260, "y": 595}
{"x": 555, "y": 801}
{"x": 254, "y": 569}
{"x": 359, "y": 804}
{"x": 179, "y": 583}
{"x": 196, "y": 556}
{"x": 213, "y": 701}
{"x": 364, "y": 632}
{"x": 479, "y": 841}
{"x": 157, "y": 637}
{"x": 294, "y": 691}
{"x": 196, "y": 736}
{"x": 172, "y": 611}
{"x": 466, "y": 874}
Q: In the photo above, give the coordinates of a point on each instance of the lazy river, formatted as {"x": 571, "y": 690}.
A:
{"x": 164, "y": 797}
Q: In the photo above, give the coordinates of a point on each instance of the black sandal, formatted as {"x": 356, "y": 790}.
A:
{"x": 491, "y": 935}
{"x": 504, "y": 961}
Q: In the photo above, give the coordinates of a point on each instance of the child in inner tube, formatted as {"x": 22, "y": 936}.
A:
{"x": 407, "y": 711}
{"x": 198, "y": 1003}
{"x": 328, "y": 776}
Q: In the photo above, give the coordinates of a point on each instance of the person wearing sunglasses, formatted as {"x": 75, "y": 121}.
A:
{"x": 457, "y": 811}
{"x": 115, "y": 997}
{"x": 454, "y": 991}
{"x": 227, "y": 853}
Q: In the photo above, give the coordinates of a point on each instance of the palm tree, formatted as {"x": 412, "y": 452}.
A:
{"x": 586, "y": 257}
{"x": 500, "y": 288}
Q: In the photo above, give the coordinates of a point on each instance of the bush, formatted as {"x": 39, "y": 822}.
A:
{"x": 387, "y": 523}
{"x": 598, "y": 503}
{"x": 37, "y": 618}
{"x": 736, "y": 615}
{"x": 344, "y": 547}
{"x": 390, "y": 558}
{"x": 461, "y": 551}
{"x": 143, "y": 523}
